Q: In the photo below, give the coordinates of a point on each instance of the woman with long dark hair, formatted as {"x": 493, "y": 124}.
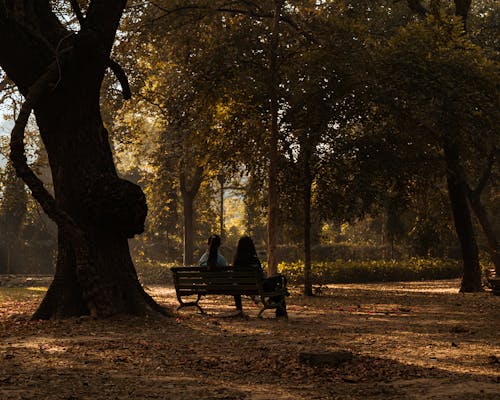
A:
{"x": 212, "y": 257}
{"x": 246, "y": 257}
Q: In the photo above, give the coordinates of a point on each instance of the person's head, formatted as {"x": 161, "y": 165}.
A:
{"x": 214, "y": 242}
{"x": 245, "y": 249}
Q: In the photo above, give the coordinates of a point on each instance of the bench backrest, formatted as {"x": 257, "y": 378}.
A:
{"x": 190, "y": 280}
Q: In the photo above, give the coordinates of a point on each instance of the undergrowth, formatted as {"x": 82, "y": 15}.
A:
{"x": 373, "y": 271}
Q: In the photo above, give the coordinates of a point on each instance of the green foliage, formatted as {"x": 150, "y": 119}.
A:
{"x": 154, "y": 273}
{"x": 373, "y": 271}
{"x": 366, "y": 93}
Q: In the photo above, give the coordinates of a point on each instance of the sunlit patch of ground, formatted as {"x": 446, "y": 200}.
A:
{"x": 412, "y": 340}
{"x": 444, "y": 286}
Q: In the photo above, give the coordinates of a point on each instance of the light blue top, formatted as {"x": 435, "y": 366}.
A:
{"x": 221, "y": 261}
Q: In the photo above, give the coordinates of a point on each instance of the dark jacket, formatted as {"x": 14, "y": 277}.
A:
{"x": 251, "y": 261}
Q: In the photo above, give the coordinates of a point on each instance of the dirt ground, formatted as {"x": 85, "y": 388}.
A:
{"x": 417, "y": 340}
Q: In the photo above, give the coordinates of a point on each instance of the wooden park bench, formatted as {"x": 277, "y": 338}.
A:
{"x": 199, "y": 282}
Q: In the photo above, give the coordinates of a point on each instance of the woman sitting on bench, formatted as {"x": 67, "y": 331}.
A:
{"x": 212, "y": 258}
{"x": 246, "y": 257}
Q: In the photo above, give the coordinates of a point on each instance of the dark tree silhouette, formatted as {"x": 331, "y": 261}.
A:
{"x": 60, "y": 74}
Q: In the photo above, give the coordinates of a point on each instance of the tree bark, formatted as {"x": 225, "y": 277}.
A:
{"x": 474, "y": 196}
{"x": 462, "y": 8}
{"x": 188, "y": 210}
{"x": 273, "y": 198}
{"x": 482, "y": 216}
{"x": 188, "y": 196}
{"x": 471, "y": 280}
{"x": 307, "y": 184}
{"x": 60, "y": 75}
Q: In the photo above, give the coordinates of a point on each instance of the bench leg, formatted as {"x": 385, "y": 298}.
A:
{"x": 190, "y": 304}
{"x": 268, "y": 305}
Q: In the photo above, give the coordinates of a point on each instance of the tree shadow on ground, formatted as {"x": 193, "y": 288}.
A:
{"x": 402, "y": 349}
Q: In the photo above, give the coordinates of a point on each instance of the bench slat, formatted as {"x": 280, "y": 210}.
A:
{"x": 217, "y": 275}
{"x": 233, "y": 288}
{"x": 212, "y": 277}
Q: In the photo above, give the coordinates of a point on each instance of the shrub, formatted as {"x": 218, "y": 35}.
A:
{"x": 373, "y": 271}
{"x": 151, "y": 273}
{"x": 341, "y": 251}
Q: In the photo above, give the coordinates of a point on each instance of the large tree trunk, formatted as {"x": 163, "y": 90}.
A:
{"x": 471, "y": 280}
{"x": 95, "y": 210}
{"x": 107, "y": 208}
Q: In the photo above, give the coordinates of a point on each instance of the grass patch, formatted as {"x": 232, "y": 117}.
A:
{"x": 20, "y": 293}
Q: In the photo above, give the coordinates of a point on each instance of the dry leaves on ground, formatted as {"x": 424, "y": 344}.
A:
{"x": 408, "y": 341}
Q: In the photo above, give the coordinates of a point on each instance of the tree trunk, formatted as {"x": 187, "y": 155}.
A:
{"x": 187, "y": 205}
{"x": 107, "y": 208}
{"x": 482, "y": 216}
{"x": 188, "y": 196}
{"x": 273, "y": 199}
{"x": 471, "y": 280}
{"x": 60, "y": 75}
{"x": 462, "y": 8}
{"x": 9, "y": 260}
{"x": 307, "y": 179}
{"x": 307, "y": 231}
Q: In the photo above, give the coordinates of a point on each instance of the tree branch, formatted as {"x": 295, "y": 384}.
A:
{"x": 256, "y": 14}
{"x": 122, "y": 78}
{"x": 417, "y": 7}
{"x": 101, "y": 23}
{"x": 26, "y": 50}
{"x": 112, "y": 64}
{"x": 78, "y": 11}
{"x": 483, "y": 180}
{"x": 19, "y": 161}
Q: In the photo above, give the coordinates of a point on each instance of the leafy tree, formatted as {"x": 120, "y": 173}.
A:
{"x": 190, "y": 75}
{"x": 59, "y": 72}
{"x": 440, "y": 91}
